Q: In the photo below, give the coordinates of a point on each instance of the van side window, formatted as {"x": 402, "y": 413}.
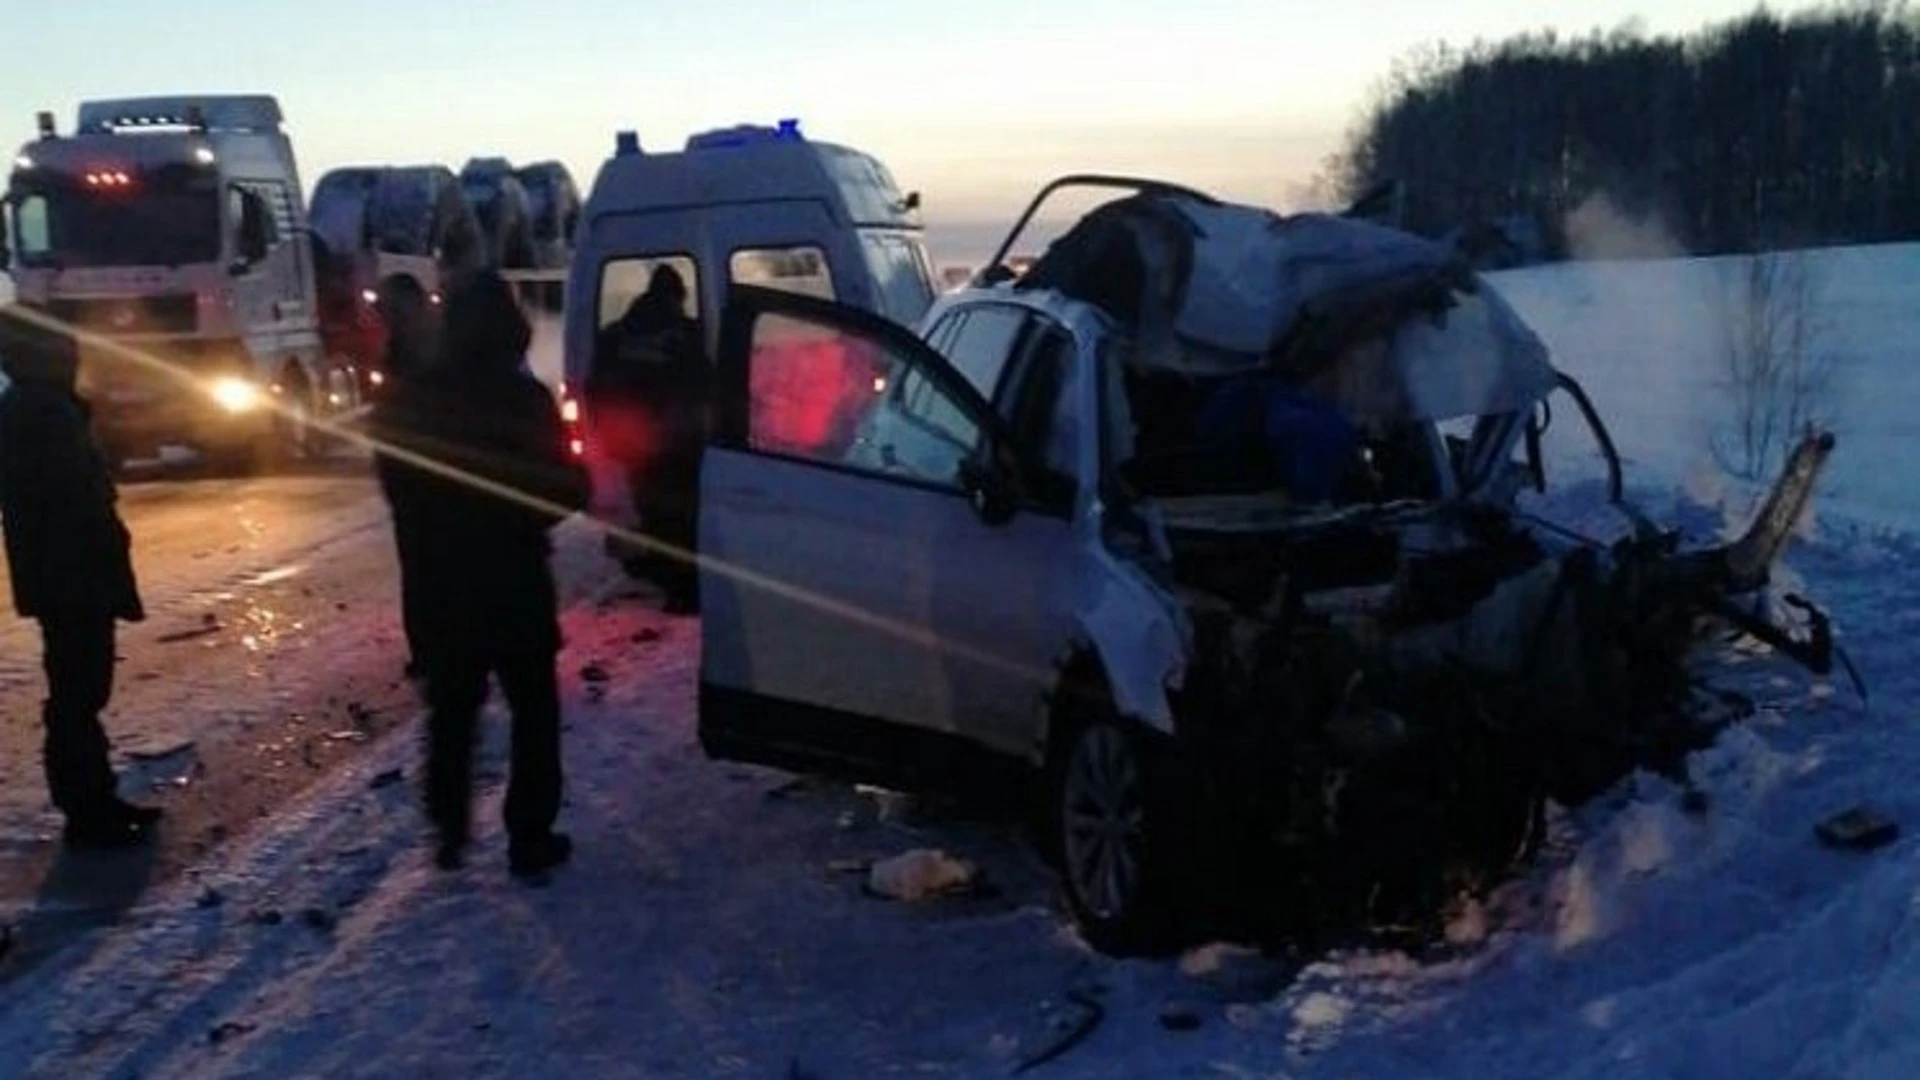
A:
{"x": 801, "y": 269}
{"x": 623, "y": 280}
{"x": 900, "y": 276}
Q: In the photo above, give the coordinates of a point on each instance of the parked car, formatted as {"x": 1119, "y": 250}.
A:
{"x": 1166, "y": 533}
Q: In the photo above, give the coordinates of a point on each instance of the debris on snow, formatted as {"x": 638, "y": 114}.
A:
{"x": 319, "y": 919}
{"x": 266, "y": 917}
{"x": 1178, "y": 1016}
{"x": 1068, "y": 1033}
{"x": 1861, "y": 828}
{"x": 228, "y": 1029}
{"x": 1234, "y": 973}
{"x": 211, "y": 897}
{"x": 594, "y": 673}
{"x": 209, "y": 625}
{"x": 919, "y": 875}
{"x": 1244, "y": 1017}
{"x": 387, "y": 779}
{"x": 646, "y": 636}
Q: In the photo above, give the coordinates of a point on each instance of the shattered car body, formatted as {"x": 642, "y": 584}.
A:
{"x": 1170, "y": 524}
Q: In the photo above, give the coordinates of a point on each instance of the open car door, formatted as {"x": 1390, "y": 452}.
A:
{"x": 843, "y": 450}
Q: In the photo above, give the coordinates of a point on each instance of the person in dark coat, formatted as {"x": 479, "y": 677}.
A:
{"x": 412, "y": 334}
{"x": 69, "y": 557}
{"x": 651, "y": 372}
{"x": 480, "y": 560}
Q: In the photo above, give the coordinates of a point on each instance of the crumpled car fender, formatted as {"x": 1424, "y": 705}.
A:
{"x": 1142, "y": 639}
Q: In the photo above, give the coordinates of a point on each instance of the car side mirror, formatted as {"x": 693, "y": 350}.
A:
{"x": 992, "y": 484}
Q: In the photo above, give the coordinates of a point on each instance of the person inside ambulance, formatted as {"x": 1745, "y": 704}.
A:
{"x": 647, "y": 397}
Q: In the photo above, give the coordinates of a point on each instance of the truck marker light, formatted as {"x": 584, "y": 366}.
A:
{"x": 203, "y": 155}
{"x": 570, "y": 411}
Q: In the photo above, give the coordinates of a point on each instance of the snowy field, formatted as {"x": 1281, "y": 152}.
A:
{"x": 714, "y": 923}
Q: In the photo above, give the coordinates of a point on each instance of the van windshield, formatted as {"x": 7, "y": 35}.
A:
{"x": 155, "y": 217}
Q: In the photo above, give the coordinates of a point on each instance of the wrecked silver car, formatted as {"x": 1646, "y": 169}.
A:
{"x": 1167, "y": 531}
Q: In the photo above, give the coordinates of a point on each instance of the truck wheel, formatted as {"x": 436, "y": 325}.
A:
{"x": 1121, "y": 815}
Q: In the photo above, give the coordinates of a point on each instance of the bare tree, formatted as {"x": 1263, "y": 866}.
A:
{"x": 1779, "y": 377}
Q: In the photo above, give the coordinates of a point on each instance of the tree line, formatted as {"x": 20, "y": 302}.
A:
{"x": 1760, "y": 133}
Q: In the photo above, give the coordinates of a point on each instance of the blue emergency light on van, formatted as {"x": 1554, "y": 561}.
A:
{"x": 746, "y": 135}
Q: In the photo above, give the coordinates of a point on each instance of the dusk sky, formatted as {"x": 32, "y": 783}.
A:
{"x": 973, "y": 103}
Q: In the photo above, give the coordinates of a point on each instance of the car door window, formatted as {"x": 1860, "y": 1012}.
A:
{"x": 941, "y": 335}
{"x": 984, "y": 343}
{"x": 843, "y": 398}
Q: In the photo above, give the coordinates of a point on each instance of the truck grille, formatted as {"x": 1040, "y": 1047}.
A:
{"x": 176, "y": 314}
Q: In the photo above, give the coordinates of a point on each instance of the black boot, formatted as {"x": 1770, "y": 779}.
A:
{"x": 450, "y": 853}
{"x": 535, "y": 855}
{"x": 105, "y": 832}
{"x": 144, "y": 816}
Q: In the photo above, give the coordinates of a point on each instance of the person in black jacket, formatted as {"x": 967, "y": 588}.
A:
{"x": 412, "y": 333}
{"x": 650, "y": 373}
{"x": 69, "y": 556}
{"x": 500, "y": 478}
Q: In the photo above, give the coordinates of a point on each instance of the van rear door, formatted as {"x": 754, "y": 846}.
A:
{"x": 792, "y": 245}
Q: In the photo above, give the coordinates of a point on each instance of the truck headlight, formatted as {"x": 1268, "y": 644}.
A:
{"x": 235, "y": 395}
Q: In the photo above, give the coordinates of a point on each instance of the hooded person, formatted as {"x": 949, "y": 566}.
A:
{"x": 412, "y": 333}
{"x": 649, "y": 389}
{"x": 480, "y": 469}
{"x": 69, "y": 557}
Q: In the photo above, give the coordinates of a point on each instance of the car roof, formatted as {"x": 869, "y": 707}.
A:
{"x": 1082, "y": 318}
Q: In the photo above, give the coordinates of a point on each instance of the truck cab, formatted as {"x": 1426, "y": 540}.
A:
{"x": 174, "y": 228}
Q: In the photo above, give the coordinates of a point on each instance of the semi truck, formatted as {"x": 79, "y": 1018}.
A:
{"x": 175, "y": 227}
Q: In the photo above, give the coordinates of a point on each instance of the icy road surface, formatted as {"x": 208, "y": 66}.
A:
{"x": 269, "y": 651}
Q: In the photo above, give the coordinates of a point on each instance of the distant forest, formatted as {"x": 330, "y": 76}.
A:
{"x": 1761, "y": 133}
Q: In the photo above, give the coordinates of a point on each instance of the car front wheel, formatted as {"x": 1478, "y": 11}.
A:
{"x": 1117, "y": 816}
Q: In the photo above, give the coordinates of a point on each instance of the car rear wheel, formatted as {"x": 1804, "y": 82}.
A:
{"x": 1118, "y": 817}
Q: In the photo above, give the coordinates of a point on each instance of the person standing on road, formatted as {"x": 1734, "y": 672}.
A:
{"x": 412, "y": 335}
{"x": 70, "y": 561}
{"x": 481, "y": 564}
{"x": 651, "y": 373}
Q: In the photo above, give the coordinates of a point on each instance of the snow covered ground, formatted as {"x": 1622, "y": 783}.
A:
{"x": 714, "y": 922}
